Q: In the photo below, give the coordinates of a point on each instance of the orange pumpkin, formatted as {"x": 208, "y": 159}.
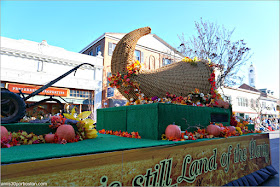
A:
{"x": 66, "y": 132}
{"x": 49, "y": 138}
{"x": 4, "y": 132}
{"x": 213, "y": 130}
{"x": 173, "y": 131}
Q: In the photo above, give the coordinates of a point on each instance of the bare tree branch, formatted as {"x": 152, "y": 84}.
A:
{"x": 215, "y": 43}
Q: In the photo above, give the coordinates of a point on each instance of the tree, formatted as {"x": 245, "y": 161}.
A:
{"x": 257, "y": 106}
{"x": 214, "y": 43}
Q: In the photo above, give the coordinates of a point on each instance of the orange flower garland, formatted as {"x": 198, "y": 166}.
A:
{"x": 120, "y": 133}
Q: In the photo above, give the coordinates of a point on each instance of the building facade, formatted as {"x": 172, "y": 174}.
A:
{"x": 28, "y": 65}
{"x": 249, "y": 102}
{"x": 150, "y": 50}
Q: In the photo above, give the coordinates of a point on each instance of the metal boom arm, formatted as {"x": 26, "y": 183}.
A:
{"x": 55, "y": 80}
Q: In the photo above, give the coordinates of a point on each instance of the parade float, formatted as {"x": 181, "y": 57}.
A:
{"x": 176, "y": 130}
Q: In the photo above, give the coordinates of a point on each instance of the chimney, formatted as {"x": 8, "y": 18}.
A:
{"x": 44, "y": 42}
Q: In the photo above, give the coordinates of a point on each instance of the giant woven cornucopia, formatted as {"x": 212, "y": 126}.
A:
{"x": 179, "y": 78}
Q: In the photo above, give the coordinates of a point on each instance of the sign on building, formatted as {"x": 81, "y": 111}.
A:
{"x": 28, "y": 89}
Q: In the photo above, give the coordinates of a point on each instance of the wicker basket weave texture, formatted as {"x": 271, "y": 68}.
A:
{"x": 179, "y": 78}
{"x": 123, "y": 54}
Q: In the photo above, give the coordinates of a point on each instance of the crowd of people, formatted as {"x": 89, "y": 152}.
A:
{"x": 266, "y": 124}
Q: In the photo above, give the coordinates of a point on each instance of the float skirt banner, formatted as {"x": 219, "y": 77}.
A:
{"x": 214, "y": 162}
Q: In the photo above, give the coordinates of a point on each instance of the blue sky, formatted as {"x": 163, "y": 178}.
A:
{"x": 74, "y": 24}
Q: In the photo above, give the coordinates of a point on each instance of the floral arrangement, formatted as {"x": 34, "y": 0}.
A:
{"x": 225, "y": 132}
{"x": 86, "y": 127}
{"x": 57, "y": 121}
{"x": 121, "y": 134}
{"x": 233, "y": 121}
{"x": 21, "y": 138}
{"x": 191, "y": 61}
{"x": 194, "y": 98}
{"x": 86, "y": 130}
{"x": 124, "y": 80}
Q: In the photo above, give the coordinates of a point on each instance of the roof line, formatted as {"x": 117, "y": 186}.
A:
{"x": 108, "y": 33}
{"x": 92, "y": 43}
{"x": 164, "y": 42}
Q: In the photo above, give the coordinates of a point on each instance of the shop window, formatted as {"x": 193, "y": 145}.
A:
{"x": 73, "y": 93}
{"x": 79, "y": 93}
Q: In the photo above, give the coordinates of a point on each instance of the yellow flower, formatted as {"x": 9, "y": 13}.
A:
{"x": 187, "y": 59}
{"x": 163, "y": 137}
{"x": 127, "y": 104}
{"x": 87, "y": 123}
{"x": 239, "y": 130}
{"x": 137, "y": 102}
{"x": 91, "y": 132}
{"x": 81, "y": 116}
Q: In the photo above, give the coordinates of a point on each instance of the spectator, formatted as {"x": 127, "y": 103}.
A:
{"x": 250, "y": 120}
{"x": 268, "y": 122}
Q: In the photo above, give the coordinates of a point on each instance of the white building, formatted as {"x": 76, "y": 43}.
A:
{"x": 27, "y": 64}
{"x": 249, "y": 102}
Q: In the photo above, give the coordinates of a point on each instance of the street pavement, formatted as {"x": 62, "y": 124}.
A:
{"x": 274, "y": 148}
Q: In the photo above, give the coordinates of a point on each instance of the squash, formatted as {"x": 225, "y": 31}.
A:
{"x": 173, "y": 131}
{"x": 4, "y": 132}
{"x": 213, "y": 130}
{"x": 49, "y": 138}
{"x": 66, "y": 132}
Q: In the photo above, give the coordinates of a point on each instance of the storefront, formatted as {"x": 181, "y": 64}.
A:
{"x": 28, "y": 65}
{"x": 83, "y": 100}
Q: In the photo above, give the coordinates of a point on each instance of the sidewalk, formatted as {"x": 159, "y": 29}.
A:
{"x": 274, "y": 148}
